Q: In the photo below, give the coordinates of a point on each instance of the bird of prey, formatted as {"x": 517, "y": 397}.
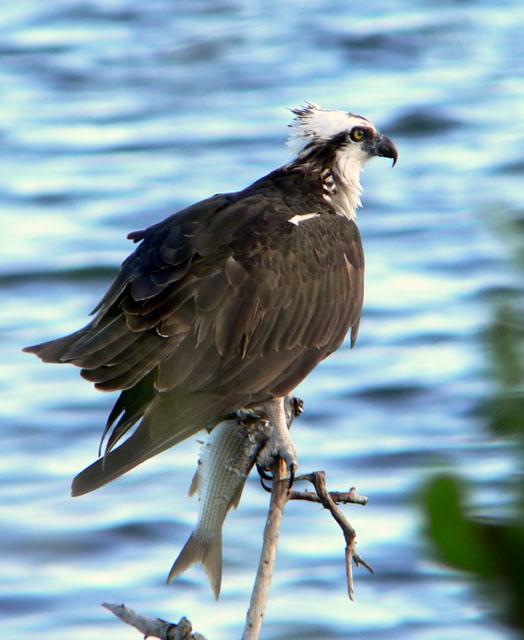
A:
{"x": 231, "y": 302}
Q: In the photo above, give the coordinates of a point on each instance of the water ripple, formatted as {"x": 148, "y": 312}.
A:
{"x": 117, "y": 114}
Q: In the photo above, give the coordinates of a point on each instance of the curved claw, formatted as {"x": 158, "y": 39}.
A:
{"x": 264, "y": 475}
{"x": 298, "y": 406}
{"x": 292, "y": 472}
{"x": 266, "y": 487}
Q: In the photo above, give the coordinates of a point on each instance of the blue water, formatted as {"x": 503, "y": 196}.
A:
{"x": 114, "y": 114}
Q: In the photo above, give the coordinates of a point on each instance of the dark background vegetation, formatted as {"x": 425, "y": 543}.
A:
{"x": 488, "y": 545}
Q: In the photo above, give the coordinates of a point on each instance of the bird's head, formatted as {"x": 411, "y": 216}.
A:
{"x": 353, "y": 139}
{"x": 335, "y": 146}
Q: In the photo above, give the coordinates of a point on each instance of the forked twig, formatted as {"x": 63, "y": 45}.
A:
{"x": 328, "y": 501}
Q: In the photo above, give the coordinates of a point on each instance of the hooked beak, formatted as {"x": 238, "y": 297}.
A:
{"x": 385, "y": 148}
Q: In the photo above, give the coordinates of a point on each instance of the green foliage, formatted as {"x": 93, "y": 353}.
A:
{"x": 459, "y": 540}
{"x": 505, "y": 347}
{"x": 490, "y": 551}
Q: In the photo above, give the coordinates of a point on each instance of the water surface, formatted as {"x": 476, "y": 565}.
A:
{"x": 114, "y": 115}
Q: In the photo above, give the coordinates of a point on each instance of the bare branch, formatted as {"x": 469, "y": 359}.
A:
{"x": 154, "y": 627}
{"x": 318, "y": 480}
{"x": 338, "y": 497}
{"x": 280, "y": 494}
{"x": 260, "y": 594}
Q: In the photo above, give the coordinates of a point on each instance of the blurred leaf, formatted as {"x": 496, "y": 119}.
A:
{"x": 492, "y": 550}
{"x": 458, "y": 540}
{"x": 505, "y": 415}
{"x": 505, "y": 340}
{"x": 510, "y": 546}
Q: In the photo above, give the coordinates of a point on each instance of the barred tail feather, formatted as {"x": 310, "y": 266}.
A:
{"x": 205, "y": 548}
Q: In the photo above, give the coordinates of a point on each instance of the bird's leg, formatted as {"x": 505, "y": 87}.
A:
{"x": 279, "y": 444}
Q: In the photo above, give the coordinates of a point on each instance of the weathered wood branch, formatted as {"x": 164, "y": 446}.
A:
{"x": 318, "y": 480}
{"x": 260, "y": 594}
{"x": 338, "y": 497}
{"x": 280, "y": 495}
{"x": 154, "y": 627}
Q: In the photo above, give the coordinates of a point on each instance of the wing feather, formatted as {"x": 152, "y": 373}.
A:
{"x": 99, "y": 338}
{"x": 224, "y": 304}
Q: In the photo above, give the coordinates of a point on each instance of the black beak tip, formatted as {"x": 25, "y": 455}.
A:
{"x": 386, "y": 148}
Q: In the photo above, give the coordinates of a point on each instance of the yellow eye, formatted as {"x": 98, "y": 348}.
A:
{"x": 357, "y": 134}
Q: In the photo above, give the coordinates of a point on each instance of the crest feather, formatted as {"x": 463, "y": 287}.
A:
{"x": 313, "y": 125}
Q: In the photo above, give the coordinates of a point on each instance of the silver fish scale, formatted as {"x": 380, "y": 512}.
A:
{"x": 226, "y": 459}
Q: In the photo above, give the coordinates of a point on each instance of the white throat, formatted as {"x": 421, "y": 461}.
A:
{"x": 346, "y": 175}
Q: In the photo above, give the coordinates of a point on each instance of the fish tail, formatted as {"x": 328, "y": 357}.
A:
{"x": 204, "y": 548}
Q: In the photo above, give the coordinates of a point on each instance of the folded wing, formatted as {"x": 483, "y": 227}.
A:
{"x": 222, "y": 305}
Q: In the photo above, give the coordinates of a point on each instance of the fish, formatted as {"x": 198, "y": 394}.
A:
{"x": 226, "y": 458}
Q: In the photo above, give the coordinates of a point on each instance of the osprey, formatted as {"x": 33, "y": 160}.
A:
{"x": 232, "y": 301}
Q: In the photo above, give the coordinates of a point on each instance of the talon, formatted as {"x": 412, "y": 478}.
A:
{"x": 279, "y": 444}
{"x": 292, "y": 472}
{"x": 264, "y": 475}
{"x": 298, "y": 406}
{"x": 267, "y": 488}
{"x": 289, "y": 455}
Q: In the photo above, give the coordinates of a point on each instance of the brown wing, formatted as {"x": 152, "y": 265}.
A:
{"x": 222, "y": 305}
